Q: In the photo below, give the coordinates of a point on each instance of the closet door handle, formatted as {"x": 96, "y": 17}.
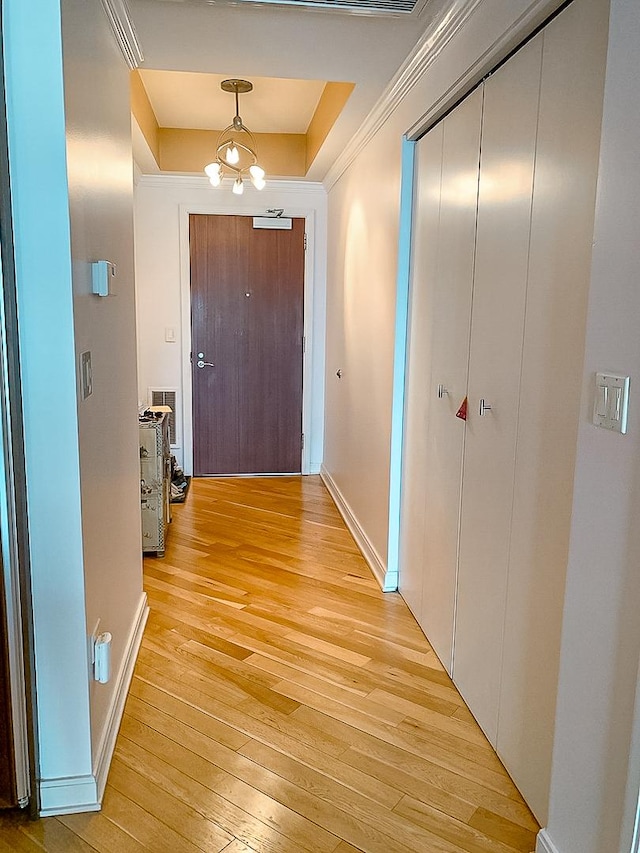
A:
{"x": 483, "y": 407}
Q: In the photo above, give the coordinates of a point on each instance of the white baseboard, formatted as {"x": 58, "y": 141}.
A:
{"x": 544, "y": 844}
{"x": 84, "y": 793}
{"x": 362, "y": 540}
{"x": 107, "y": 743}
{"x": 68, "y": 795}
{"x": 391, "y": 581}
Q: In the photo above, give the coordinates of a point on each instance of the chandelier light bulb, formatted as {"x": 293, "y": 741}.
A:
{"x": 259, "y": 183}
{"x": 212, "y": 169}
{"x": 238, "y": 186}
{"x": 257, "y": 172}
{"x": 232, "y": 156}
{"x": 215, "y": 179}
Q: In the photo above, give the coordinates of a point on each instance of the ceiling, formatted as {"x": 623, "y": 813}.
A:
{"x": 189, "y": 99}
{"x": 286, "y": 51}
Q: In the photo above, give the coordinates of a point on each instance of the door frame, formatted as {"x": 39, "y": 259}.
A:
{"x": 185, "y": 309}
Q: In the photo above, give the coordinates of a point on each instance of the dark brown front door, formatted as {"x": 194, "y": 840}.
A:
{"x": 247, "y": 288}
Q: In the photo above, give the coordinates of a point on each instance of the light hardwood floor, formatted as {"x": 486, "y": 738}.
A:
{"x": 282, "y": 703}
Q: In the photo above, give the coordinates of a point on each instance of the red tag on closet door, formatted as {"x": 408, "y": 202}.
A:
{"x": 462, "y": 411}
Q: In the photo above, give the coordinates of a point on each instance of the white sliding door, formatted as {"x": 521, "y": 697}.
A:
{"x": 571, "y": 93}
{"x": 450, "y": 322}
{"x": 502, "y": 253}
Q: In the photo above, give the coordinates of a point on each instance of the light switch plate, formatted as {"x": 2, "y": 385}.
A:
{"x": 611, "y": 402}
{"x": 86, "y": 374}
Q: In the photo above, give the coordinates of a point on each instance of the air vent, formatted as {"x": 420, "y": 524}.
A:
{"x": 167, "y": 397}
{"x": 384, "y": 7}
{"x": 388, "y": 8}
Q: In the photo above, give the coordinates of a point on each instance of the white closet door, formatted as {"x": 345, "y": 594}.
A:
{"x": 502, "y": 248}
{"x": 575, "y": 45}
{"x": 426, "y": 219}
{"x": 450, "y": 323}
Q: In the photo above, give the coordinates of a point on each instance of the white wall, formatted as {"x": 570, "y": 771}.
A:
{"x": 363, "y": 235}
{"x": 100, "y": 173}
{"x": 81, "y": 457}
{"x": 601, "y": 633}
{"x": 162, "y": 205}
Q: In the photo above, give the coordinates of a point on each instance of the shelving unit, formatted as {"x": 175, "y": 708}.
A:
{"x": 155, "y": 483}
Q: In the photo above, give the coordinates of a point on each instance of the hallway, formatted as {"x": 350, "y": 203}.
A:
{"x": 282, "y": 703}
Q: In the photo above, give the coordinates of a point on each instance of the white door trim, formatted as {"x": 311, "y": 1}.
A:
{"x": 185, "y": 309}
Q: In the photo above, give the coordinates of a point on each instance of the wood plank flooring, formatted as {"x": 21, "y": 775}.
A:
{"x": 281, "y": 703}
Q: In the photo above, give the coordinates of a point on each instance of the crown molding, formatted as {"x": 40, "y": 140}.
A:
{"x": 197, "y": 182}
{"x": 437, "y": 35}
{"x": 124, "y": 31}
{"x": 435, "y": 38}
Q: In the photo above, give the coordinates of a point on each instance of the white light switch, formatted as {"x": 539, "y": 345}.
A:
{"x": 611, "y": 402}
{"x": 169, "y": 335}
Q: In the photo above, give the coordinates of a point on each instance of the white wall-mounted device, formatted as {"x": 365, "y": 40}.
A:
{"x": 102, "y": 658}
{"x": 101, "y": 274}
{"x": 611, "y": 402}
{"x": 273, "y": 223}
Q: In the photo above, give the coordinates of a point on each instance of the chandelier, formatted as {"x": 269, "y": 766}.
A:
{"x": 236, "y": 150}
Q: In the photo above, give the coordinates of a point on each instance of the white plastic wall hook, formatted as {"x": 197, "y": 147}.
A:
{"x": 102, "y": 658}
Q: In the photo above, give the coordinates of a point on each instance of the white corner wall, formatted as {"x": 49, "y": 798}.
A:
{"x": 363, "y": 240}
{"x": 100, "y": 171}
{"x": 595, "y": 772}
{"x": 162, "y": 207}
{"x": 81, "y": 456}
{"x": 43, "y": 271}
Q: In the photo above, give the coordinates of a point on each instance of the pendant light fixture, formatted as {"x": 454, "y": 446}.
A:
{"x": 236, "y": 150}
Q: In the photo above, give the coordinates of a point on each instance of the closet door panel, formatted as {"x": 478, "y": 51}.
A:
{"x": 426, "y": 219}
{"x": 449, "y": 369}
{"x": 574, "y": 52}
{"x": 502, "y": 247}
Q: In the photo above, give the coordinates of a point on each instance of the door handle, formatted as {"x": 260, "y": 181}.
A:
{"x": 205, "y": 364}
{"x": 483, "y": 407}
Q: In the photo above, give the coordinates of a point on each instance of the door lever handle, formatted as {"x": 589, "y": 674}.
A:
{"x": 205, "y": 364}
{"x": 483, "y": 407}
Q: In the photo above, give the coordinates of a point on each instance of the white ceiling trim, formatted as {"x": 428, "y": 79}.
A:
{"x": 535, "y": 14}
{"x": 198, "y": 182}
{"x": 435, "y": 38}
{"x": 124, "y": 31}
{"x": 441, "y": 30}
